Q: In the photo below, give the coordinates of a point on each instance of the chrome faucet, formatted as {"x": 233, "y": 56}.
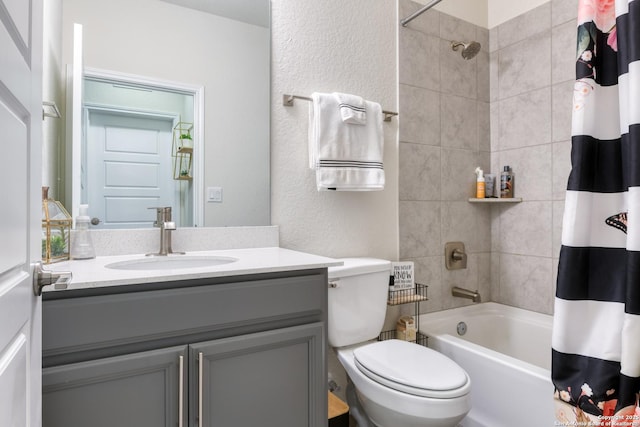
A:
{"x": 166, "y": 225}
{"x": 465, "y": 293}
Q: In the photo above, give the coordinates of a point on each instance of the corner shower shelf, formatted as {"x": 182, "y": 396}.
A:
{"x": 406, "y": 296}
{"x": 496, "y": 200}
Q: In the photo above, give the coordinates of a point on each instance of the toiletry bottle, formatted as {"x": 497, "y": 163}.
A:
{"x": 489, "y": 185}
{"x": 506, "y": 183}
{"x": 81, "y": 243}
{"x": 480, "y": 183}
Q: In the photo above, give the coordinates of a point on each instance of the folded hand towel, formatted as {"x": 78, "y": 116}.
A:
{"x": 352, "y": 108}
{"x": 345, "y": 157}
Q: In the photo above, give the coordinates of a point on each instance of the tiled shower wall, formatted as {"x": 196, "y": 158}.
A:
{"x": 510, "y": 105}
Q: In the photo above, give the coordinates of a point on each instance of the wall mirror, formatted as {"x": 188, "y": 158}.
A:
{"x": 217, "y": 51}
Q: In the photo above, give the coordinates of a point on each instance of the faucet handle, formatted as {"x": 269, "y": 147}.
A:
{"x": 163, "y": 215}
{"x": 161, "y": 209}
{"x": 455, "y": 255}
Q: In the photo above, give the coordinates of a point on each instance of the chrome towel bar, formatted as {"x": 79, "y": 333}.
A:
{"x": 287, "y": 101}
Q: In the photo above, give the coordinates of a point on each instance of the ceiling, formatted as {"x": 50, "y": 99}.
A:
{"x": 255, "y": 12}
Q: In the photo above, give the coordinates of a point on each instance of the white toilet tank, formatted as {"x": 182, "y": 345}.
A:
{"x": 358, "y": 293}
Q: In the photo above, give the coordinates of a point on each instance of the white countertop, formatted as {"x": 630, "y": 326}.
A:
{"x": 93, "y": 273}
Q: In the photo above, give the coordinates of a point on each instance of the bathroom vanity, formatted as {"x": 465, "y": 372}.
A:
{"x": 229, "y": 346}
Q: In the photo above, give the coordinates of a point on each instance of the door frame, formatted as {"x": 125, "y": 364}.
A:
{"x": 198, "y": 132}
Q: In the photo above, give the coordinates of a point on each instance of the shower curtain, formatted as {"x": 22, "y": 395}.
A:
{"x": 596, "y": 335}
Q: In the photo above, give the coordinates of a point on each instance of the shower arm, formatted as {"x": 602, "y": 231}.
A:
{"x": 419, "y": 12}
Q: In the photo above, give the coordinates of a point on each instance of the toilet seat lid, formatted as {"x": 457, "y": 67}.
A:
{"x": 412, "y": 368}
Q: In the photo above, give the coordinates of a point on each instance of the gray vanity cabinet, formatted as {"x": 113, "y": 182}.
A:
{"x": 139, "y": 390}
{"x": 265, "y": 379}
{"x": 242, "y": 351}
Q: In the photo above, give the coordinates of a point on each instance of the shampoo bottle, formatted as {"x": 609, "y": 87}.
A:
{"x": 480, "y": 183}
{"x": 506, "y": 183}
{"x": 81, "y": 243}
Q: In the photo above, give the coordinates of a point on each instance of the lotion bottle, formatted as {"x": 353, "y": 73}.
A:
{"x": 480, "y": 183}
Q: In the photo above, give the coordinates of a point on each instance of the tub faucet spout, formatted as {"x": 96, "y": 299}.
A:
{"x": 466, "y": 293}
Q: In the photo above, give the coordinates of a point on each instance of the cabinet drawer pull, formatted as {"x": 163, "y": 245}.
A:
{"x": 181, "y": 391}
{"x": 200, "y": 364}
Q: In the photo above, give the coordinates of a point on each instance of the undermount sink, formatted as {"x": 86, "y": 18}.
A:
{"x": 171, "y": 262}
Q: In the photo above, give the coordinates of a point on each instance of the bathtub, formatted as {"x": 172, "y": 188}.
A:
{"x": 507, "y": 353}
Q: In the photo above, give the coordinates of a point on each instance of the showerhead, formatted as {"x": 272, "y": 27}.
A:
{"x": 469, "y": 50}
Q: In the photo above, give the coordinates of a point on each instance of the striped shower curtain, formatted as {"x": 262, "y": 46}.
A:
{"x": 596, "y": 335}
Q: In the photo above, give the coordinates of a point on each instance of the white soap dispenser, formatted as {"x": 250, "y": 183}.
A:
{"x": 81, "y": 243}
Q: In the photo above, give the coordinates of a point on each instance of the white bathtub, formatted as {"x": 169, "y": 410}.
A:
{"x": 507, "y": 353}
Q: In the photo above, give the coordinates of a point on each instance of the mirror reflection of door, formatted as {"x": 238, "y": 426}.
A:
{"x": 127, "y": 162}
{"x": 128, "y": 157}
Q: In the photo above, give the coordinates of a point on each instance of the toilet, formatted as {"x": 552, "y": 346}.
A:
{"x": 392, "y": 383}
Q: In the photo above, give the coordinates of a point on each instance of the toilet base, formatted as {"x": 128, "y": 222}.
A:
{"x": 355, "y": 409}
{"x": 385, "y": 417}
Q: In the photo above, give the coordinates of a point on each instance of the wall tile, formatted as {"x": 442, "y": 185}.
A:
{"x": 454, "y": 29}
{"x": 561, "y": 169}
{"x": 494, "y": 112}
{"x": 524, "y": 66}
{"x": 428, "y": 22}
{"x": 561, "y": 110}
{"x": 458, "y": 75}
{"x": 482, "y": 37}
{"x": 528, "y": 24}
{"x": 483, "y": 65}
{"x": 466, "y": 278}
{"x": 494, "y": 77}
{"x": 428, "y": 271}
{"x": 558, "y": 215}
{"x": 495, "y": 277}
{"x": 525, "y": 229}
{"x": 419, "y": 229}
{"x": 493, "y": 39}
{"x": 563, "y": 52}
{"x": 484, "y": 126}
{"x": 459, "y": 122}
{"x": 419, "y": 115}
{"x": 484, "y": 276}
{"x": 525, "y": 282}
{"x": 420, "y": 59}
{"x": 458, "y": 177}
{"x": 468, "y": 223}
{"x": 419, "y": 172}
{"x": 563, "y": 11}
{"x": 532, "y": 167}
{"x": 496, "y": 213}
{"x": 525, "y": 120}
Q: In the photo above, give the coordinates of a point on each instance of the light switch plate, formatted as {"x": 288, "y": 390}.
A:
{"x": 214, "y": 194}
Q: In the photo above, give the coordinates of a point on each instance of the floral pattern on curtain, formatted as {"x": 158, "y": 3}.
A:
{"x": 596, "y": 333}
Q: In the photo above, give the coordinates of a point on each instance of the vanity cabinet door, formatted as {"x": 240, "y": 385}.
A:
{"x": 268, "y": 379}
{"x": 136, "y": 390}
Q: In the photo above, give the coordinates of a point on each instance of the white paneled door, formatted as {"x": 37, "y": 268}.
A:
{"x": 20, "y": 210}
{"x": 128, "y": 168}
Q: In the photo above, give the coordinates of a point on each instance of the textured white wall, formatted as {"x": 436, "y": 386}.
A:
{"x": 327, "y": 46}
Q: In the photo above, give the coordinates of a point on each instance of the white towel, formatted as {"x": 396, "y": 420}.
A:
{"x": 345, "y": 157}
{"x": 352, "y": 108}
